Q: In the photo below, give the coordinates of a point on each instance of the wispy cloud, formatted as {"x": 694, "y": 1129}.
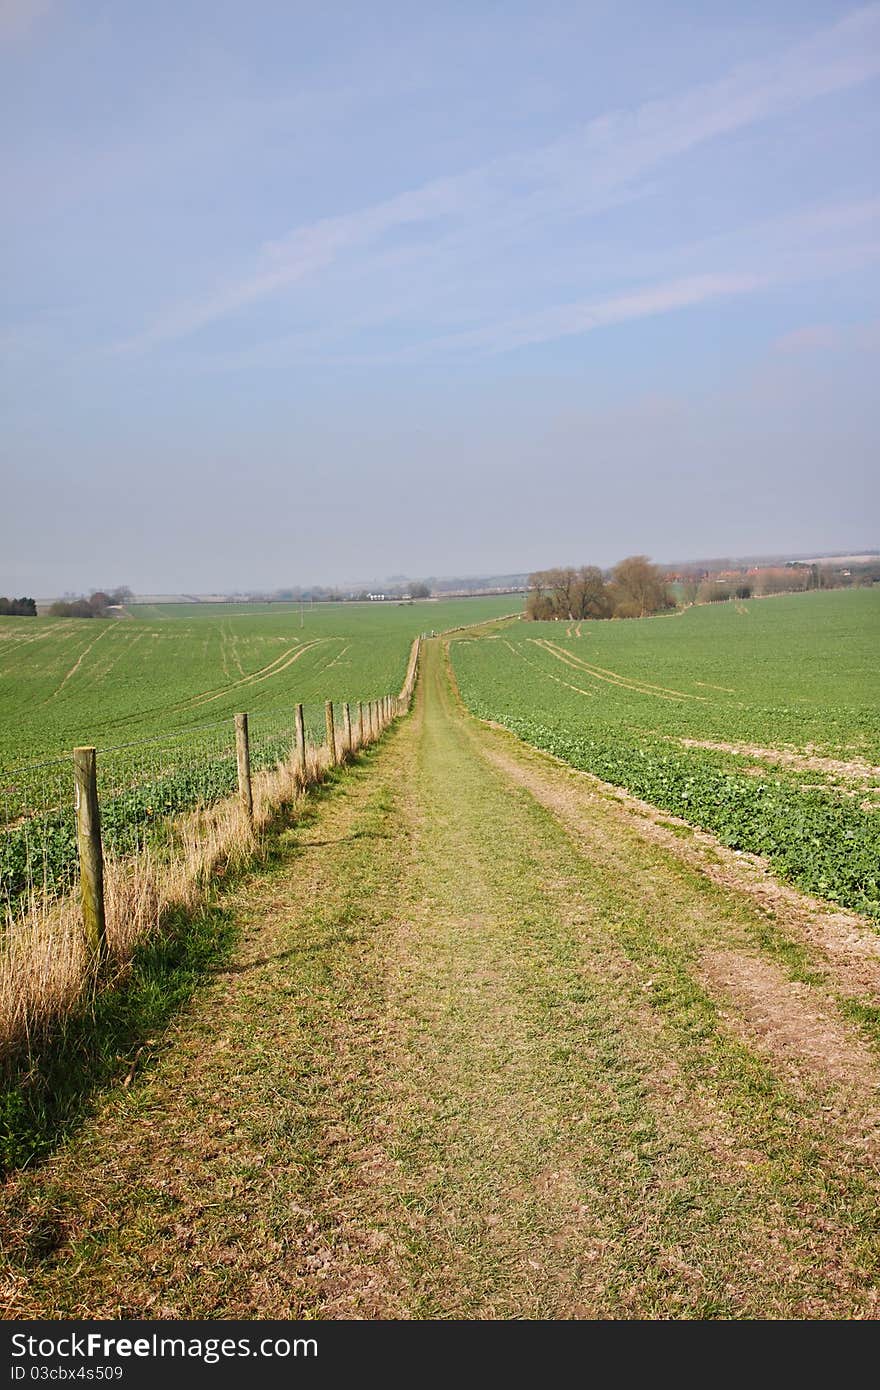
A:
{"x": 477, "y": 214}
{"x": 645, "y": 302}
{"x": 284, "y": 264}
{"x": 813, "y": 244}
{"x": 830, "y": 337}
{"x": 809, "y": 339}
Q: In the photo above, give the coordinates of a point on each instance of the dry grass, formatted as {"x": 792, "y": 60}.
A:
{"x": 43, "y": 968}
{"x": 46, "y": 966}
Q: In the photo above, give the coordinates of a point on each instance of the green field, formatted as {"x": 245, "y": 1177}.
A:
{"x": 156, "y": 695}
{"x": 759, "y": 721}
{"x": 68, "y": 681}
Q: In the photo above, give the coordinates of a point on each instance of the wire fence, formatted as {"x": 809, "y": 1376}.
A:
{"x": 38, "y": 845}
{"x": 99, "y": 846}
{"x": 142, "y": 785}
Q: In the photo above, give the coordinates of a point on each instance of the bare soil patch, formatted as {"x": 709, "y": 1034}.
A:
{"x": 852, "y": 770}
{"x": 846, "y": 943}
{"x": 807, "y": 1041}
{"x": 789, "y": 1019}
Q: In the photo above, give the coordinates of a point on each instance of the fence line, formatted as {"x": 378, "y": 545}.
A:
{"x": 142, "y": 783}
{"x": 96, "y": 874}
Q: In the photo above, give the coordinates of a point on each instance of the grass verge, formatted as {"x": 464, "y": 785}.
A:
{"x": 69, "y": 1026}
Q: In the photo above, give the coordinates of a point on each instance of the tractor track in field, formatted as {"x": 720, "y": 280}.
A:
{"x": 489, "y": 1046}
{"x": 76, "y": 665}
{"x": 601, "y": 673}
{"x": 275, "y": 668}
{"x": 192, "y": 702}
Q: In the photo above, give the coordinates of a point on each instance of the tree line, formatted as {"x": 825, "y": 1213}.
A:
{"x": 95, "y": 606}
{"x": 634, "y": 589}
{"x": 18, "y": 608}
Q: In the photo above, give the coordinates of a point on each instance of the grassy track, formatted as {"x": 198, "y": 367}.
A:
{"x": 496, "y": 1043}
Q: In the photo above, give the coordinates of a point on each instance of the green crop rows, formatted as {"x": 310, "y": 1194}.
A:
{"x": 72, "y": 681}
{"x": 139, "y": 788}
{"x": 789, "y": 685}
{"x": 169, "y": 683}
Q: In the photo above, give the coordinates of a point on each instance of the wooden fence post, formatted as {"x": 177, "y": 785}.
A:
{"x": 301, "y": 741}
{"x": 91, "y": 854}
{"x": 243, "y": 758}
{"x": 361, "y": 728}
{"x": 374, "y": 723}
{"x": 331, "y": 732}
{"x": 346, "y": 729}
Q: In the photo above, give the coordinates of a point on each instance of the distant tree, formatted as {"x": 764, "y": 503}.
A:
{"x": 567, "y": 593}
{"x": 72, "y": 608}
{"x": 589, "y": 594}
{"x": 689, "y": 590}
{"x": 18, "y": 608}
{"x": 714, "y": 591}
{"x": 539, "y": 607}
{"x": 782, "y": 579}
{"x": 417, "y": 588}
{"x": 120, "y": 596}
{"x": 75, "y": 606}
{"x": 562, "y": 583}
{"x": 639, "y": 588}
{"x": 539, "y": 604}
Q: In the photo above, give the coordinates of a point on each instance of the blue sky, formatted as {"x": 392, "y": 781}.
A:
{"x": 298, "y": 293}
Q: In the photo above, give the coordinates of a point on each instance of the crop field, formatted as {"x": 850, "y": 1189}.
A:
{"x": 68, "y": 681}
{"x": 758, "y": 721}
{"x": 156, "y": 694}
